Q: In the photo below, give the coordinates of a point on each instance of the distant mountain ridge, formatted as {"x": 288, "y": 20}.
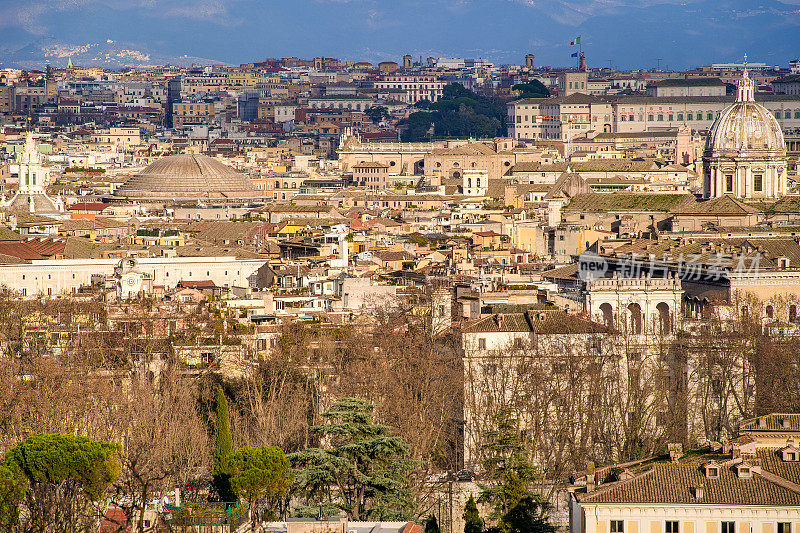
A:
{"x": 109, "y": 54}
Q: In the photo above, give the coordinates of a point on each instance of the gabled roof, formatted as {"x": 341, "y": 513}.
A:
{"x": 724, "y": 205}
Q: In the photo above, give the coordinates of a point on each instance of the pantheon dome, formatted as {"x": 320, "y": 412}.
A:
{"x": 188, "y": 177}
{"x": 745, "y": 153}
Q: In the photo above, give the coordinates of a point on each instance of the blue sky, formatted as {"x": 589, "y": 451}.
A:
{"x": 629, "y": 33}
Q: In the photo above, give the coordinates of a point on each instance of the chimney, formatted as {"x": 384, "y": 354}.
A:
{"x": 698, "y": 493}
{"x": 762, "y": 423}
{"x": 590, "y": 476}
{"x": 785, "y": 424}
{"x": 675, "y": 450}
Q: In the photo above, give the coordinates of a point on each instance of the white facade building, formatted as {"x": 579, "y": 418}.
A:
{"x": 416, "y": 87}
{"x": 52, "y": 277}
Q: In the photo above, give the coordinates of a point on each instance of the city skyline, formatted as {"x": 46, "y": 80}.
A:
{"x": 669, "y": 34}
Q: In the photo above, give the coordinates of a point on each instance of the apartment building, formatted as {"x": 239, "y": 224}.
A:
{"x": 559, "y": 118}
{"x": 192, "y": 113}
{"x": 416, "y": 87}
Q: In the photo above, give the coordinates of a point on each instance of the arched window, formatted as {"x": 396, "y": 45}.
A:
{"x": 608, "y": 314}
{"x": 664, "y": 319}
{"x": 635, "y": 312}
{"x": 769, "y": 312}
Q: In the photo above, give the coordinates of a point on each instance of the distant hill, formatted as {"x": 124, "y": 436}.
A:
{"x": 108, "y": 54}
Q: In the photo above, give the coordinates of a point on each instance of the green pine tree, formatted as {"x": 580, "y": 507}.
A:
{"x": 509, "y": 473}
{"x": 431, "y": 525}
{"x": 223, "y": 451}
{"x": 527, "y": 516}
{"x": 472, "y": 518}
{"x": 363, "y": 471}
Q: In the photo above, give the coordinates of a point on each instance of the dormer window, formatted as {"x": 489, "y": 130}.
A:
{"x": 790, "y": 454}
{"x": 744, "y": 471}
{"x": 712, "y": 471}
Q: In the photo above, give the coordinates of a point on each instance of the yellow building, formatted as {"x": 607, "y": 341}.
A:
{"x": 192, "y": 113}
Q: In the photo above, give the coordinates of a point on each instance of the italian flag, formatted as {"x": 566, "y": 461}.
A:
{"x": 576, "y": 41}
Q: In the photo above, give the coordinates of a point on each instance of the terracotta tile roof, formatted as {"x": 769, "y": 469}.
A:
{"x": 569, "y": 272}
{"x": 724, "y": 205}
{"x": 197, "y": 284}
{"x": 773, "y": 422}
{"x": 631, "y": 202}
{"x": 88, "y": 206}
{"x": 675, "y": 483}
{"x": 7, "y": 234}
{"x": 20, "y": 250}
{"x": 541, "y": 322}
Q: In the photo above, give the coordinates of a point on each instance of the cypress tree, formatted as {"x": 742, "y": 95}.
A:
{"x": 431, "y": 525}
{"x": 223, "y": 450}
{"x": 472, "y": 518}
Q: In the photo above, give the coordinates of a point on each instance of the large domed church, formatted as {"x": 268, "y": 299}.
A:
{"x": 745, "y": 153}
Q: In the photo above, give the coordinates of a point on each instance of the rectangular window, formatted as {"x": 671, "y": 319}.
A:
{"x": 784, "y": 527}
{"x": 728, "y": 182}
{"x": 630, "y": 118}
{"x": 671, "y": 526}
{"x": 650, "y": 118}
{"x": 689, "y": 116}
{"x": 758, "y": 182}
{"x": 660, "y": 118}
{"x": 617, "y": 527}
{"x": 728, "y": 527}
{"x": 710, "y": 116}
{"x": 481, "y": 344}
{"x": 670, "y": 117}
{"x": 680, "y": 116}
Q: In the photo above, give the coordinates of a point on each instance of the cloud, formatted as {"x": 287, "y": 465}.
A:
{"x": 29, "y": 16}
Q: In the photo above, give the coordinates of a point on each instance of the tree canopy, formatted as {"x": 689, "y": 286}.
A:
{"x": 56, "y": 458}
{"x": 261, "y": 473}
{"x": 532, "y": 89}
{"x": 363, "y": 470}
{"x": 55, "y": 478}
{"x": 458, "y": 113}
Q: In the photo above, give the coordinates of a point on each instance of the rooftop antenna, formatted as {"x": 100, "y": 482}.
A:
{"x": 659, "y": 63}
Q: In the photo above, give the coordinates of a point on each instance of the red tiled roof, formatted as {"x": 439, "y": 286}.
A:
{"x": 47, "y": 247}
{"x": 199, "y": 284}
{"x": 675, "y": 483}
{"x": 88, "y": 206}
{"x": 19, "y": 249}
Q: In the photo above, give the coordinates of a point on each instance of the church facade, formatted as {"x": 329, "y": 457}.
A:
{"x": 31, "y": 196}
